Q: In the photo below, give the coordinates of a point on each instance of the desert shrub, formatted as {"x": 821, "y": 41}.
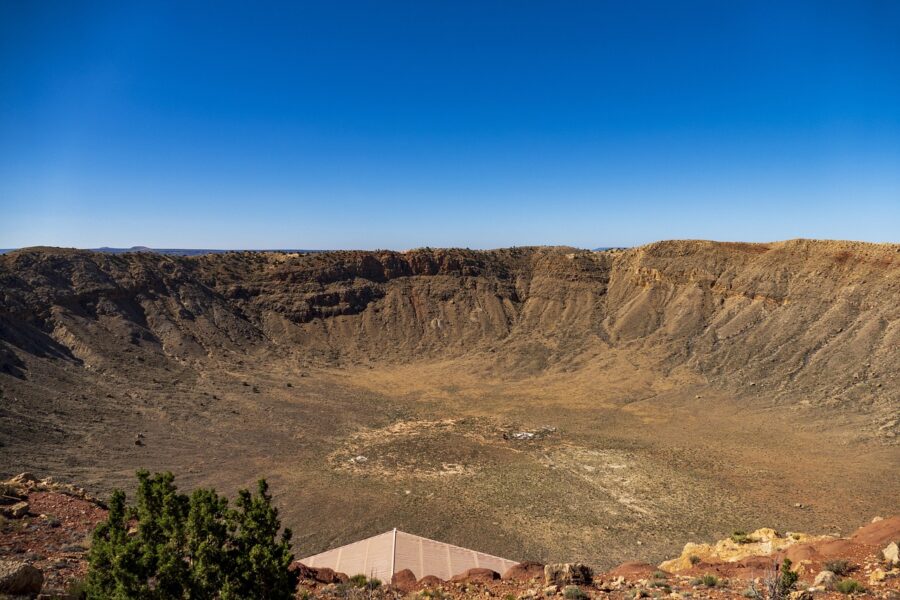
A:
{"x": 361, "y": 581}
{"x": 741, "y": 537}
{"x": 838, "y": 567}
{"x": 787, "y": 578}
{"x": 695, "y": 560}
{"x": 707, "y": 580}
{"x": 777, "y": 584}
{"x": 573, "y": 592}
{"x": 189, "y": 547}
{"x": 849, "y": 586}
{"x": 76, "y": 590}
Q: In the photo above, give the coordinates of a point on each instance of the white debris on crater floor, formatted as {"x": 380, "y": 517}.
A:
{"x": 527, "y": 435}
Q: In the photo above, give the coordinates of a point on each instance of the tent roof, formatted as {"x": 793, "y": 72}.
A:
{"x": 382, "y": 555}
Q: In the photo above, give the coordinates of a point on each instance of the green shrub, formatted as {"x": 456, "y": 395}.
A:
{"x": 741, "y": 537}
{"x": 76, "y": 590}
{"x": 838, "y": 567}
{"x": 189, "y": 547}
{"x": 849, "y": 586}
{"x": 707, "y": 580}
{"x": 573, "y": 592}
{"x": 787, "y": 579}
{"x": 695, "y": 560}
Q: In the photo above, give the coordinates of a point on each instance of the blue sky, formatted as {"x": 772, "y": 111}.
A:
{"x": 480, "y": 124}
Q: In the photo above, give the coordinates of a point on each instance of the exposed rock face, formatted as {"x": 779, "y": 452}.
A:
{"x": 798, "y": 318}
{"x": 761, "y": 542}
{"x": 18, "y": 578}
{"x": 567, "y": 574}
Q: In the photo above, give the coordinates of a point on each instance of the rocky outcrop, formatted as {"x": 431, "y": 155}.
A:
{"x": 14, "y": 511}
{"x": 761, "y": 542}
{"x": 564, "y": 574}
{"x": 20, "y": 579}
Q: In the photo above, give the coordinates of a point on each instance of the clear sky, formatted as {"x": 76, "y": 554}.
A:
{"x": 481, "y": 124}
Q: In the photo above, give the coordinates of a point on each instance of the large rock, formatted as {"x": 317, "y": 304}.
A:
{"x": 564, "y": 574}
{"x": 524, "y": 571}
{"x": 18, "y": 578}
{"x": 14, "y": 511}
{"x": 303, "y": 572}
{"x": 321, "y": 574}
{"x": 891, "y": 555}
{"x": 825, "y": 579}
{"x": 404, "y": 581}
{"x": 762, "y": 542}
{"x": 476, "y": 575}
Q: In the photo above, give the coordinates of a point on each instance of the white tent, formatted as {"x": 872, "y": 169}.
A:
{"x": 382, "y": 555}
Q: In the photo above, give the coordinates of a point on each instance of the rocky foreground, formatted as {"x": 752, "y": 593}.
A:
{"x": 45, "y": 529}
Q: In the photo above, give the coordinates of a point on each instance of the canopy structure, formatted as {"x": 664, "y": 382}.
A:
{"x": 382, "y": 555}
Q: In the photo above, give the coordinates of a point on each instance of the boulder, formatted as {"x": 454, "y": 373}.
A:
{"x": 14, "y": 511}
{"x": 20, "y": 579}
{"x": 430, "y": 581}
{"x": 825, "y": 579}
{"x": 303, "y": 572}
{"x": 564, "y": 574}
{"x": 476, "y": 575}
{"x": 891, "y": 555}
{"x": 322, "y": 574}
{"x": 404, "y": 581}
{"x": 524, "y": 571}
